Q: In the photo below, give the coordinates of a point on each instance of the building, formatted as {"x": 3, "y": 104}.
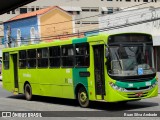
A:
{"x": 86, "y": 11}
{"x": 37, "y": 25}
{"x": 144, "y": 20}
{"x": 82, "y": 9}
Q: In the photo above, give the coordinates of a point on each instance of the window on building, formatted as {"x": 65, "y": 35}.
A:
{"x": 104, "y": 12}
{"x": 145, "y": 0}
{"x": 22, "y": 59}
{"x": 8, "y": 12}
{"x": 86, "y": 22}
{"x": 94, "y": 22}
{"x": 23, "y": 10}
{"x": 109, "y": 0}
{"x": 94, "y": 9}
{"x": 54, "y": 56}
{"x": 67, "y": 56}
{"x": 42, "y": 57}
{"x": 77, "y": 22}
{"x": 85, "y": 9}
{"x": 37, "y": 8}
{"x": 32, "y": 9}
{"x": 31, "y": 58}
{"x": 6, "y": 60}
{"x": 13, "y": 12}
{"x": 110, "y": 10}
{"x": 82, "y": 55}
{"x": 78, "y": 12}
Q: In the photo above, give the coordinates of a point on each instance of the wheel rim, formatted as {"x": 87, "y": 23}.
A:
{"x": 83, "y": 97}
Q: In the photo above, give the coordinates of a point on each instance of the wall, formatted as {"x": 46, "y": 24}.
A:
{"x": 48, "y": 28}
{"x": 133, "y": 17}
{"x": 25, "y": 26}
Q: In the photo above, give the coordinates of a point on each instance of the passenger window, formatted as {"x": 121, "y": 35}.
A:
{"x": 82, "y": 55}
{"x": 6, "y": 60}
{"x": 67, "y": 56}
{"x": 42, "y": 57}
{"x": 54, "y": 56}
{"x": 31, "y": 58}
{"x": 22, "y": 59}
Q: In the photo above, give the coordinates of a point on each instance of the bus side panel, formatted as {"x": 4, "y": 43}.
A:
{"x": 31, "y": 76}
{"x": 56, "y": 82}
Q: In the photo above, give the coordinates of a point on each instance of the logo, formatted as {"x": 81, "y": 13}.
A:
{"x": 6, "y": 114}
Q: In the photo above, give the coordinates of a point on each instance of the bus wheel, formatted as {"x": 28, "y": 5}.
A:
{"x": 28, "y": 92}
{"x": 83, "y": 97}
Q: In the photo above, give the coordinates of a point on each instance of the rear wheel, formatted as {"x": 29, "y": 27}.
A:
{"x": 83, "y": 97}
{"x": 28, "y": 92}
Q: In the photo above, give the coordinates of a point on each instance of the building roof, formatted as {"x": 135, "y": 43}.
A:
{"x": 35, "y": 13}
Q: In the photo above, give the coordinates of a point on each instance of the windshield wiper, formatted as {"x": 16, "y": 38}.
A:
{"x": 118, "y": 60}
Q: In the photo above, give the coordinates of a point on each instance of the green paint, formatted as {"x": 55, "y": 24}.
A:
{"x": 79, "y": 40}
{"x": 79, "y": 80}
{"x": 135, "y": 84}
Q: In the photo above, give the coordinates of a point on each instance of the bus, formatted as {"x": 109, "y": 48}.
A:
{"x": 103, "y": 67}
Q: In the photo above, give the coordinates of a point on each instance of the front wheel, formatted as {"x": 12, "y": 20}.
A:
{"x": 28, "y": 92}
{"x": 83, "y": 97}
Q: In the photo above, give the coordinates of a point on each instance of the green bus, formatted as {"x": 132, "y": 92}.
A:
{"x": 102, "y": 67}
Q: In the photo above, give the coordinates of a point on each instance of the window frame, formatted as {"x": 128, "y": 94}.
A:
{"x": 6, "y": 60}
{"x": 54, "y": 57}
{"x": 23, "y": 59}
{"x": 35, "y": 58}
{"x": 42, "y": 58}
{"x": 68, "y": 56}
{"x": 82, "y": 55}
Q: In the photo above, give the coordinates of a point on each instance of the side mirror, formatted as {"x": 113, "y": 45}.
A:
{"x": 107, "y": 52}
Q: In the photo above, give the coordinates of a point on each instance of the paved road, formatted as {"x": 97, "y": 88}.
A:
{"x": 9, "y": 102}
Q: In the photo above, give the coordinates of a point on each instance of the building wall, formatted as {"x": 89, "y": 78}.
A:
{"x": 83, "y": 4}
{"x": 50, "y": 28}
{"x": 24, "y": 25}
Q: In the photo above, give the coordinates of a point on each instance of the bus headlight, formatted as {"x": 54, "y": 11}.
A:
{"x": 117, "y": 87}
{"x": 152, "y": 86}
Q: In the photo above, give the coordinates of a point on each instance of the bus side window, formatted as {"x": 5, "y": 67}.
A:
{"x": 54, "y": 56}
{"x": 22, "y": 59}
{"x": 31, "y": 58}
{"x": 42, "y": 57}
{"x": 6, "y": 60}
{"x": 82, "y": 55}
{"x": 67, "y": 56}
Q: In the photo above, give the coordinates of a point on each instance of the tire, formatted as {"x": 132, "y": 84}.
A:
{"x": 83, "y": 99}
{"x": 28, "y": 92}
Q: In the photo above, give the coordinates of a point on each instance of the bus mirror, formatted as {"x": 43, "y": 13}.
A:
{"x": 107, "y": 52}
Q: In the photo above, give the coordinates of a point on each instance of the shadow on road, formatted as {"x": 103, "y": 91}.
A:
{"x": 94, "y": 105}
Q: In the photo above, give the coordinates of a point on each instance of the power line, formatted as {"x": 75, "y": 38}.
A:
{"x": 100, "y": 30}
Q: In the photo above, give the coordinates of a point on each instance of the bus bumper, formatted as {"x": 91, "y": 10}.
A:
{"x": 116, "y": 96}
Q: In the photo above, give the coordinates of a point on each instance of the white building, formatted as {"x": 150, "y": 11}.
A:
{"x": 81, "y": 9}
{"x": 144, "y": 20}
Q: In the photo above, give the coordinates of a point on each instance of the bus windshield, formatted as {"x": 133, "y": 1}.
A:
{"x": 131, "y": 60}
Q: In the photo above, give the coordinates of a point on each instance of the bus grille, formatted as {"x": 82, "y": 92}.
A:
{"x": 137, "y": 95}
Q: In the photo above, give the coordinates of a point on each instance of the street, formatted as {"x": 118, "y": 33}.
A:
{"x": 10, "y": 102}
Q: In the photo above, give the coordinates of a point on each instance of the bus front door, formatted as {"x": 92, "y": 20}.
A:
{"x": 99, "y": 71}
{"x": 15, "y": 73}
